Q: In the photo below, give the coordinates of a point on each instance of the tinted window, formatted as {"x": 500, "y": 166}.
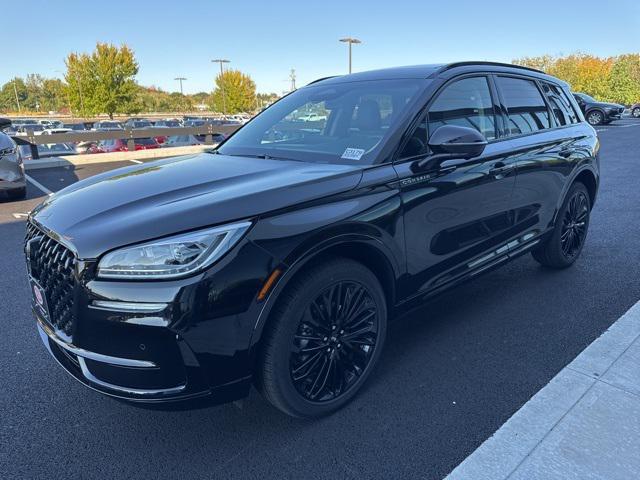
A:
{"x": 560, "y": 107}
{"x": 466, "y": 103}
{"x": 527, "y": 110}
{"x": 355, "y": 117}
{"x": 145, "y": 141}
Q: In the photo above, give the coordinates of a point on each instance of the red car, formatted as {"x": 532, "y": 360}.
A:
{"x": 107, "y": 146}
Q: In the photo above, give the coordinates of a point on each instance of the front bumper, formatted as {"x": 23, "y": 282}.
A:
{"x": 613, "y": 115}
{"x": 13, "y": 184}
{"x": 195, "y": 346}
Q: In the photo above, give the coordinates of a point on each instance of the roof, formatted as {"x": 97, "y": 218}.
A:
{"x": 429, "y": 71}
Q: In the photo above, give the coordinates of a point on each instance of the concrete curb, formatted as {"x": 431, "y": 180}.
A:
{"x": 68, "y": 160}
{"x": 583, "y": 424}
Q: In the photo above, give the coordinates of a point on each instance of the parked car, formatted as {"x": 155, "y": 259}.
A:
{"x": 598, "y": 113}
{"x": 168, "y": 123}
{"x": 635, "y": 110}
{"x": 120, "y": 145}
{"x": 107, "y": 126}
{"x": 49, "y": 123}
{"x": 138, "y": 123}
{"x": 12, "y": 180}
{"x": 195, "y": 123}
{"x": 86, "y": 147}
{"x": 187, "y": 140}
{"x": 24, "y": 129}
{"x": 47, "y": 150}
{"x": 76, "y": 127}
{"x": 51, "y": 131}
{"x": 312, "y": 117}
{"x": 278, "y": 264}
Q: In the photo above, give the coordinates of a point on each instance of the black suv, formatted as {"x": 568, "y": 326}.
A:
{"x": 598, "y": 113}
{"x": 277, "y": 259}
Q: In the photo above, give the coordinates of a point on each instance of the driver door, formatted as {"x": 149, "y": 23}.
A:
{"x": 457, "y": 216}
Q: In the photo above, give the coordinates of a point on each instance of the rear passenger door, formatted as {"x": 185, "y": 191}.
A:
{"x": 540, "y": 135}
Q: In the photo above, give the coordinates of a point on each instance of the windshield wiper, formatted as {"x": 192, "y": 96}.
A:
{"x": 263, "y": 156}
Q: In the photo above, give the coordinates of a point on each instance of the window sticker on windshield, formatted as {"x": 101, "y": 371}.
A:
{"x": 353, "y": 154}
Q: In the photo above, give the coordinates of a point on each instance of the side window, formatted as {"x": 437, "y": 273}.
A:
{"x": 560, "y": 107}
{"x": 527, "y": 110}
{"x": 466, "y": 103}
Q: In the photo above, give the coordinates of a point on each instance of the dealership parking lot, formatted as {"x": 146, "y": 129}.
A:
{"x": 452, "y": 372}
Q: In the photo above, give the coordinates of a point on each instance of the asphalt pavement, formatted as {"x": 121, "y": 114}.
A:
{"x": 451, "y": 374}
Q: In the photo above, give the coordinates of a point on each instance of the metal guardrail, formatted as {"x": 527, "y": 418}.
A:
{"x": 129, "y": 134}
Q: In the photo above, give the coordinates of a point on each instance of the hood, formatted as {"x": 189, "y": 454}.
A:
{"x": 152, "y": 200}
{"x": 607, "y": 105}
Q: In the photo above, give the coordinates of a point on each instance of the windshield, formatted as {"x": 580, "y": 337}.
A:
{"x": 586, "y": 97}
{"x": 340, "y": 123}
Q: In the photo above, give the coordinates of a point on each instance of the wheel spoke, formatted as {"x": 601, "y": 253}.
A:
{"x": 326, "y": 362}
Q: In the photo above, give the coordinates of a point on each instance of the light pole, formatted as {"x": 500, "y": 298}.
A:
{"x": 224, "y": 95}
{"x": 350, "y": 41}
{"x": 15, "y": 91}
{"x": 180, "y": 79}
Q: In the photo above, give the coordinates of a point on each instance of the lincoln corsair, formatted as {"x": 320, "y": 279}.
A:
{"x": 276, "y": 259}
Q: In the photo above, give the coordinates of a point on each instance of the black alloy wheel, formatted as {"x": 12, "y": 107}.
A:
{"x": 564, "y": 245}
{"x": 334, "y": 341}
{"x": 323, "y": 338}
{"x": 574, "y": 224}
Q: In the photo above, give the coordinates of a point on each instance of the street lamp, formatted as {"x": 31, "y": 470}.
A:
{"x": 15, "y": 91}
{"x": 224, "y": 95}
{"x": 350, "y": 41}
{"x": 180, "y": 79}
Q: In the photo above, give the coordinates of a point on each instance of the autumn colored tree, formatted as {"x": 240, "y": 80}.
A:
{"x": 613, "y": 79}
{"x": 235, "y": 92}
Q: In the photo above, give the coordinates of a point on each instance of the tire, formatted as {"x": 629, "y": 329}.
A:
{"x": 570, "y": 231}
{"x": 595, "y": 117}
{"x": 338, "y": 361}
{"x": 635, "y": 113}
{"x": 17, "y": 193}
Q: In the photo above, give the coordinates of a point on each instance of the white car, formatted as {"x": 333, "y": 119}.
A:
{"x": 23, "y": 130}
{"x": 51, "y": 131}
{"x": 312, "y": 117}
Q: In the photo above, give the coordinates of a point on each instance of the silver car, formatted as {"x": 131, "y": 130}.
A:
{"x": 12, "y": 179}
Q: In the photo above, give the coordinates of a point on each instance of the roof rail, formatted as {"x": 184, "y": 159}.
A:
{"x": 321, "y": 79}
{"x": 497, "y": 64}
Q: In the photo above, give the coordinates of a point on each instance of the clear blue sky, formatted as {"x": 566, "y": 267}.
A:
{"x": 267, "y": 38}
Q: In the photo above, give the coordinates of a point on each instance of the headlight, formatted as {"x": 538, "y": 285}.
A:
{"x": 172, "y": 257}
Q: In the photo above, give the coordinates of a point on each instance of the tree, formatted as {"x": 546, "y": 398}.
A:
{"x": 103, "y": 82}
{"x": 613, "y": 79}
{"x": 8, "y": 95}
{"x": 235, "y": 92}
{"x": 624, "y": 83}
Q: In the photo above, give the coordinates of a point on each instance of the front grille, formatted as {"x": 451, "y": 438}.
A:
{"x": 53, "y": 266}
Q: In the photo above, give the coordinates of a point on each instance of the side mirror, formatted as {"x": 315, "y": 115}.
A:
{"x": 4, "y": 123}
{"x": 452, "y": 142}
{"x": 462, "y": 142}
